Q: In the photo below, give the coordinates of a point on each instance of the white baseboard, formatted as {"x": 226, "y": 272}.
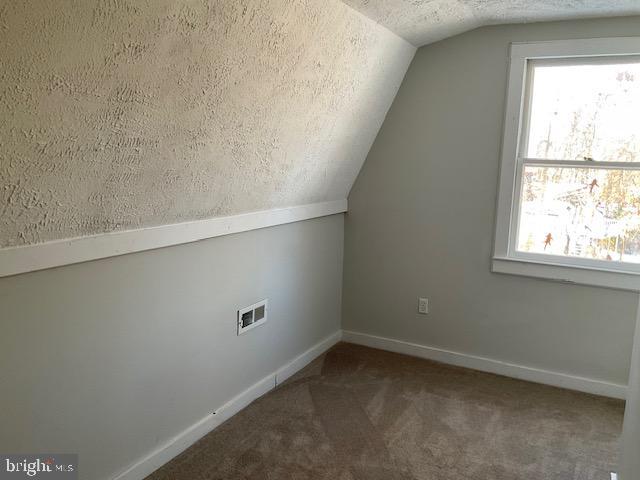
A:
{"x": 307, "y": 357}
{"x": 28, "y": 258}
{"x": 556, "y": 379}
{"x": 148, "y": 464}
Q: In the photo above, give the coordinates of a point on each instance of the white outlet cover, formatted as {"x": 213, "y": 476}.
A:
{"x": 423, "y": 305}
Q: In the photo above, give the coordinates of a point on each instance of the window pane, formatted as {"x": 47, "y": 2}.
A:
{"x": 581, "y": 212}
{"x": 583, "y": 112}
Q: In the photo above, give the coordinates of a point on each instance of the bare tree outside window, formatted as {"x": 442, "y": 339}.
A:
{"x": 580, "y": 194}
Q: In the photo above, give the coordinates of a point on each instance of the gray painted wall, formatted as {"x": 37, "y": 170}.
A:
{"x": 112, "y": 358}
{"x": 421, "y": 222}
{"x": 630, "y": 441}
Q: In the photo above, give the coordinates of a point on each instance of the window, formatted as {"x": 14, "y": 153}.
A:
{"x": 569, "y": 199}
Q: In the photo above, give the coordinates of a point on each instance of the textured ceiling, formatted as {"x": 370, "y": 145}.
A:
{"x": 132, "y": 113}
{"x": 425, "y": 21}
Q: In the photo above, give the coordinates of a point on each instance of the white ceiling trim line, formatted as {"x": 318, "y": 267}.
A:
{"x": 29, "y": 258}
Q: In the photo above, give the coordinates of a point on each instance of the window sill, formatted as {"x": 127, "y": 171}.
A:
{"x": 567, "y": 274}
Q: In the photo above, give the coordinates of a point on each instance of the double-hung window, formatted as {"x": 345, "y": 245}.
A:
{"x": 569, "y": 199}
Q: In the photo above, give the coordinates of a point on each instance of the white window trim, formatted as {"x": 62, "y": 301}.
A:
{"x": 505, "y": 258}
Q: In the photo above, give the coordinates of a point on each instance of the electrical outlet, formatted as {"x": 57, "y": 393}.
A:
{"x": 423, "y": 306}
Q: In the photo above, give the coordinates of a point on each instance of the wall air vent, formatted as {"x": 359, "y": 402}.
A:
{"x": 252, "y": 316}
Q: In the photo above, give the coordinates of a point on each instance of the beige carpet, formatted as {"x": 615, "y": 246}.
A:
{"x": 363, "y": 414}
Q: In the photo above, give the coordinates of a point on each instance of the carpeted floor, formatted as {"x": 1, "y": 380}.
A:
{"x": 363, "y": 414}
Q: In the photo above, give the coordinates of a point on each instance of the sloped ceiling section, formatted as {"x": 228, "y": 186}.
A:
{"x": 426, "y": 21}
{"x": 124, "y": 114}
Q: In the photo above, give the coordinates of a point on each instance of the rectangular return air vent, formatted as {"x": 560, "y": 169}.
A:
{"x": 252, "y": 316}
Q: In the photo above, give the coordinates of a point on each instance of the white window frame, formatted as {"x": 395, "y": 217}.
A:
{"x": 506, "y": 259}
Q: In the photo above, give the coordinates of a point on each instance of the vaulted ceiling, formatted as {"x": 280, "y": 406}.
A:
{"x": 425, "y": 21}
{"x": 136, "y": 113}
